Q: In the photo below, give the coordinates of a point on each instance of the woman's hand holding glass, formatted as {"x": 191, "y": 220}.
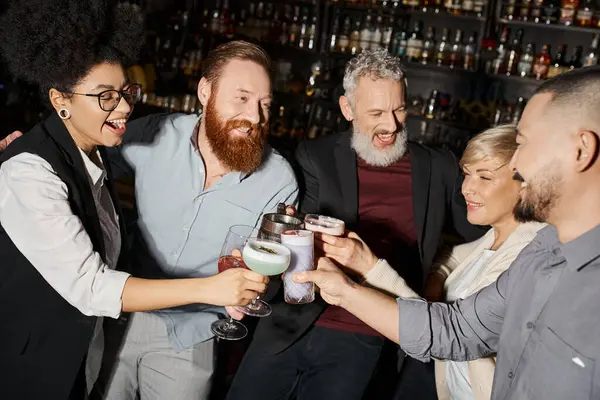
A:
{"x": 237, "y": 287}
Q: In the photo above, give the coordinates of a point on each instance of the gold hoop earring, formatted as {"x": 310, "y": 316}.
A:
{"x": 63, "y": 113}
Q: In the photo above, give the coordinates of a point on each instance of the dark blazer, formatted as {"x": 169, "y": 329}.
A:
{"x": 43, "y": 339}
{"x": 330, "y": 186}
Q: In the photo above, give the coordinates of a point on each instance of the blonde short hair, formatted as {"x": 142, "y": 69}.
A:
{"x": 499, "y": 143}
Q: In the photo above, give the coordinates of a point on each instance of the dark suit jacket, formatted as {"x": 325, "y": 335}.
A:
{"x": 330, "y": 186}
{"x": 44, "y": 339}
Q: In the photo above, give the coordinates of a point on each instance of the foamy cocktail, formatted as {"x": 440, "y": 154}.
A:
{"x": 324, "y": 224}
{"x": 266, "y": 257}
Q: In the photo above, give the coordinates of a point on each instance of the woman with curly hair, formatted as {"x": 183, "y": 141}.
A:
{"x": 61, "y": 234}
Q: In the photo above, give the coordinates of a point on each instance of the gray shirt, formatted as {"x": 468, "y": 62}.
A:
{"x": 182, "y": 226}
{"x": 541, "y": 317}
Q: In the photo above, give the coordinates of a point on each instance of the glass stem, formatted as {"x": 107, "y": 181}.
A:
{"x": 229, "y": 325}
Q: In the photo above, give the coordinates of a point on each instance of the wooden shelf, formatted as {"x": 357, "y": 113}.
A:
{"x": 517, "y": 79}
{"x": 559, "y": 27}
{"x": 443, "y": 14}
{"x": 450, "y": 124}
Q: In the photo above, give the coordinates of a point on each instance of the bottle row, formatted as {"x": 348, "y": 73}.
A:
{"x": 455, "y": 7}
{"x": 512, "y": 59}
{"x": 415, "y": 47}
{"x": 566, "y": 12}
{"x": 286, "y": 24}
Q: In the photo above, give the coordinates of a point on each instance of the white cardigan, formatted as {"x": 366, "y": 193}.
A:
{"x": 386, "y": 279}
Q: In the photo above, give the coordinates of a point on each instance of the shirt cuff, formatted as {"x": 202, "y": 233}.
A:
{"x": 113, "y": 283}
{"x": 415, "y": 328}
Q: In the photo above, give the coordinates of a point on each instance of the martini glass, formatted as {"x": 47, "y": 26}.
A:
{"x": 268, "y": 258}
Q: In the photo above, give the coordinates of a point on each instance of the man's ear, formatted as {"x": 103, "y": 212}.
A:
{"x": 204, "y": 91}
{"x": 346, "y": 108}
{"x": 586, "y": 147}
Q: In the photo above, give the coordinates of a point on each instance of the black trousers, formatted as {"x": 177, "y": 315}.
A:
{"x": 324, "y": 364}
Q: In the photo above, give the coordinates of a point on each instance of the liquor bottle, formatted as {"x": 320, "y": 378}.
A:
{"x": 443, "y": 50}
{"x": 456, "y": 51}
{"x": 479, "y": 8}
{"x": 499, "y": 65}
{"x": 585, "y": 13}
{"x": 260, "y": 19}
{"x": 415, "y": 43}
{"x": 525, "y": 66}
{"x": 488, "y": 47}
{"x": 509, "y": 9}
{"x": 294, "y": 31}
{"x": 386, "y": 38}
{"x": 575, "y": 61}
{"x": 558, "y": 64}
{"x": 514, "y": 53}
{"x": 567, "y": 11}
{"x": 344, "y": 40}
{"x": 468, "y": 6}
{"x": 596, "y": 17}
{"x": 413, "y": 4}
{"x": 214, "y": 20}
{"x": 275, "y": 28}
{"x": 399, "y": 40}
{"x": 432, "y": 106}
{"x": 312, "y": 33}
{"x": 314, "y": 81}
{"x": 524, "y": 10}
{"x": 536, "y": 10}
{"x": 592, "y": 53}
{"x": 355, "y": 38}
{"x": 428, "y": 46}
{"x": 469, "y": 53}
{"x": 542, "y": 63}
{"x": 551, "y": 12}
{"x": 377, "y": 33}
{"x": 279, "y": 128}
{"x": 518, "y": 110}
{"x": 454, "y": 6}
{"x": 335, "y": 32}
{"x": 225, "y": 19}
{"x": 315, "y": 126}
{"x": 365, "y": 34}
{"x": 303, "y": 37}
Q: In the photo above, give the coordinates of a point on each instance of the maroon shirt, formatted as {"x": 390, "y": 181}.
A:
{"x": 386, "y": 224}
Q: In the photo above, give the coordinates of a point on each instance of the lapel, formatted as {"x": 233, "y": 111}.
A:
{"x": 345, "y": 162}
{"x": 115, "y": 199}
{"x": 420, "y": 165}
{"x": 57, "y": 130}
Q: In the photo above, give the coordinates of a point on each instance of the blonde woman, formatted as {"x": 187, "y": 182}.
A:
{"x": 491, "y": 194}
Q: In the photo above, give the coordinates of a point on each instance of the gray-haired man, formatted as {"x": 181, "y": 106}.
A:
{"x": 399, "y": 196}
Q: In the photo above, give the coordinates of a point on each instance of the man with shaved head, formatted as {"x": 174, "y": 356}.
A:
{"x": 542, "y": 316}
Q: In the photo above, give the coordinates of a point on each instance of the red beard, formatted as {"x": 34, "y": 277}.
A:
{"x": 243, "y": 154}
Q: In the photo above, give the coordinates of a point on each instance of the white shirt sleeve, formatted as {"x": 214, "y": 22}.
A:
{"x": 36, "y": 215}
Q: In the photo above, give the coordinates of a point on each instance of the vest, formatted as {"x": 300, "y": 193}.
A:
{"x": 43, "y": 339}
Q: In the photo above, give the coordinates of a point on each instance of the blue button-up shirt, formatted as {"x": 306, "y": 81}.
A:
{"x": 182, "y": 226}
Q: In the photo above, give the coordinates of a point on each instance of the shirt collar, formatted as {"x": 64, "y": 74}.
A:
{"x": 579, "y": 252}
{"x": 236, "y": 175}
{"x": 96, "y": 173}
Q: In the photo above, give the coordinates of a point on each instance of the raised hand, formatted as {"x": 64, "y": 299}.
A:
{"x": 7, "y": 140}
{"x": 236, "y": 287}
{"x": 330, "y": 279}
{"x": 350, "y": 251}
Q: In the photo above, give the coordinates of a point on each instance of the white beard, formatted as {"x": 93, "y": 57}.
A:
{"x": 363, "y": 145}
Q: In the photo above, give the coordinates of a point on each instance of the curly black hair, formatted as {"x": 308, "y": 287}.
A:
{"x": 55, "y": 43}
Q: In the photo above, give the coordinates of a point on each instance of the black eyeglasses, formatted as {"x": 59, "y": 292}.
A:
{"x": 108, "y": 100}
